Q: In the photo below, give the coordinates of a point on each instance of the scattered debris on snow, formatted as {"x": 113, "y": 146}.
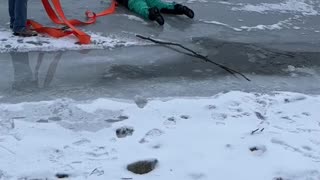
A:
{"x": 125, "y": 131}
{"x": 143, "y": 167}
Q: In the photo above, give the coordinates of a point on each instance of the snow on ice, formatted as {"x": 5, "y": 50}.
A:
{"x": 288, "y": 6}
{"x": 232, "y": 135}
{"x": 11, "y": 43}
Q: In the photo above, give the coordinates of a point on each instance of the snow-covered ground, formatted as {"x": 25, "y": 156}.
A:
{"x": 232, "y": 135}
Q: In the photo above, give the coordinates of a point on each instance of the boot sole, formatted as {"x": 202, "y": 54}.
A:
{"x": 24, "y": 35}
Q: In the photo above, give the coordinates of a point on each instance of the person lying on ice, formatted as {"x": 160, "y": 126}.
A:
{"x": 151, "y": 9}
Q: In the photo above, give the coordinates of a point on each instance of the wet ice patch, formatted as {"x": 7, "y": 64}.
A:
{"x": 196, "y": 1}
{"x": 287, "y": 23}
{"x": 224, "y": 2}
{"x": 302, "y": 71}
{"x": 288, "y": 6}
{"x": 11, "y": 43}
{"x": 283, "y": 24}
{"x": 220, "y": 24}
{"x": 134, "y": 18}
{"x": 277, "y": 26}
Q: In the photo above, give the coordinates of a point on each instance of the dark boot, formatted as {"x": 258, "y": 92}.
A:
{"x": 179, "y": 10}
{"x": 25, "y": 33}
{"x": 154, "y": 15}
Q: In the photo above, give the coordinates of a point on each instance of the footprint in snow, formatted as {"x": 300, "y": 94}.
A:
{"x": 262, "y": 103}
{"x": 6, "y": 125}
{"x": 260, "y": 116}
{"x": 219, "y": 116}
{"x": 235, "y": 104}
{"x": 294, "y": 99}
{"x": 237, "y": 110}
{"x": 50, "y": 119}
{"x": 150, "y": 135}
{"x": 117, "y": 119}
{"x": 197, "y": 176}
{"x": 306, "y": 114}
{"x": 140, "y": 101}
{"x": 81, "y": 142}
{"x": 279, "y": 178}
{"x": 98, "y": 152}
{"x": 220, "y": 123}
{"x": 185, "y": 117}
{"x": 56, "y": 155}
{"x": 246, "y": 114}
{"x": 3, "y": 175}
{"x": 211, "y": 107}
{"x": 32, "y": 178}
{"x": 97, "y": 172}
{"x": 308, "y": 148}
{"x": 288, "y": 119}
{"x": 157, "y": 146}
{"x": 286, "y": 146}
{"x": 170, "y": 122}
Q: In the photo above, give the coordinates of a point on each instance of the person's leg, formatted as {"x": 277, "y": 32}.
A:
{"x": 11, "y": 4}
{"x": 161, "y": 4}
{"x": 171, "y": 8}
{"x": 20, "y": 15}
{"x": 179, "y": 10}
{"x": 20, "y": 19}
{"x": 141, "y": 7}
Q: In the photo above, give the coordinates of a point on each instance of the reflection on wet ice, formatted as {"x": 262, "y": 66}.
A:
{"x": 26, "y": 78}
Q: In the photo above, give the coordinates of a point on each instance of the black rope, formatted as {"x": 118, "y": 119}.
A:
{"x": 197, "y": 55}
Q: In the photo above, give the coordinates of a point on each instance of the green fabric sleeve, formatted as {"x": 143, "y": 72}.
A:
{"x": 140, "y": 7}
{"x": 160, "y": 4}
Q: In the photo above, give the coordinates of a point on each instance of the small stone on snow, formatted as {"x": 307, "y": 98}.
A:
{"x": 142, "y": 167}
{"x": 62, "y": 175}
